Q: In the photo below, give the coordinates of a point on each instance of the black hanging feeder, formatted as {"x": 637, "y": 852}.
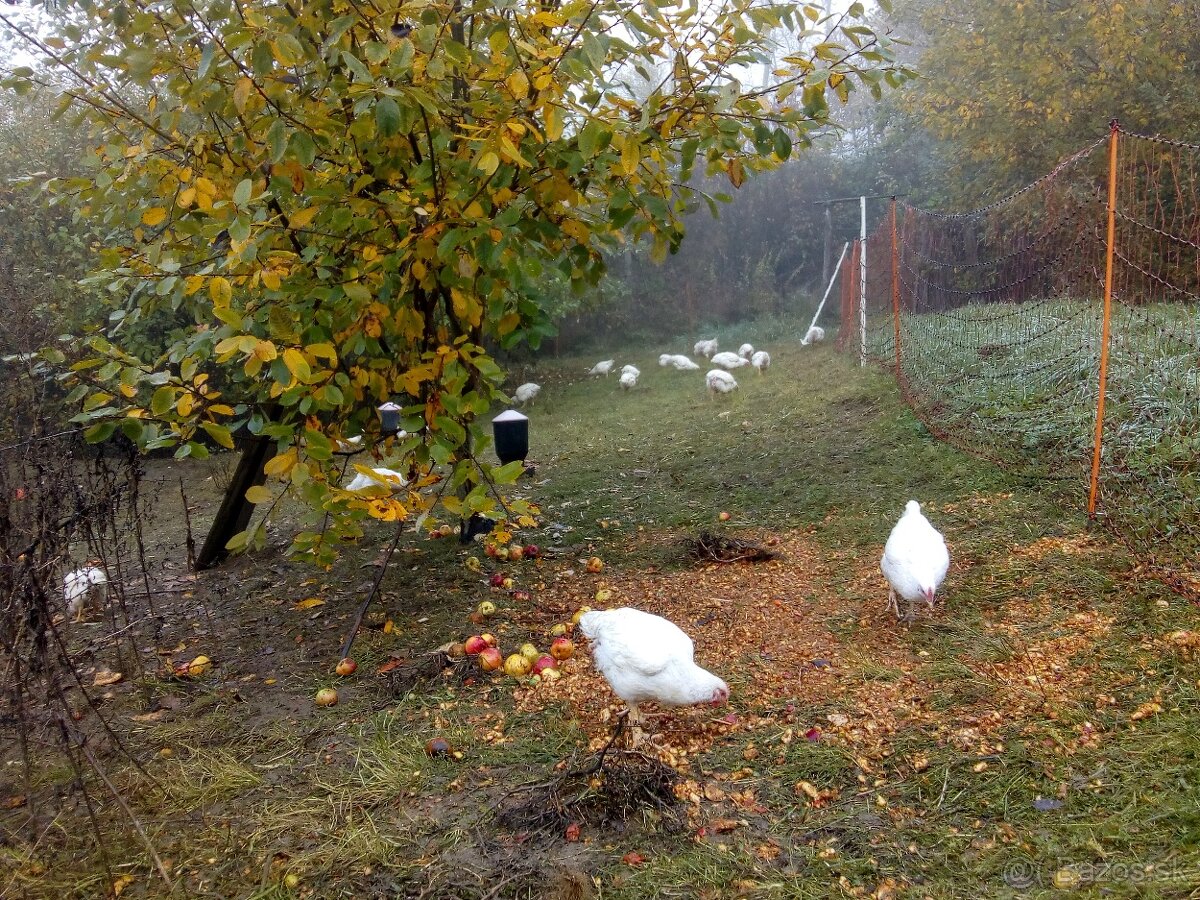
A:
{"x": 510, "y": 430}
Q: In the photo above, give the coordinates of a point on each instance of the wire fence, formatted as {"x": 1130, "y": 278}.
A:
{"x": 1057, "y": 332}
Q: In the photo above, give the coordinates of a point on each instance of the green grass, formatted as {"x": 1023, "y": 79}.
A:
{"x": 346, "y": 800}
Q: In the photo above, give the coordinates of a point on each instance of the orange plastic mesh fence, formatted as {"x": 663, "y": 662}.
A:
{"x": 1000, "y": 323}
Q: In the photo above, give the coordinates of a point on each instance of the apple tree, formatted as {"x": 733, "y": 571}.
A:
{"x": 349, "y": 200}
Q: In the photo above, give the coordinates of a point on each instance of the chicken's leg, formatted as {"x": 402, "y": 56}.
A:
{"x": 636, "y": 737}
{"x": 893, "y": 603}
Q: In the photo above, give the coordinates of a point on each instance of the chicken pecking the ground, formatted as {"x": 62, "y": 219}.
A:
{"x": 915, "y": 560}
{"x": 644, "y": 657}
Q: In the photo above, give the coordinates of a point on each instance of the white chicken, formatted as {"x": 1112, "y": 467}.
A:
{"x": 681, "y": 363}
{"x": 815, "y": 333}
{"x": 526, "y": 392}
{"x": 664, "y": 359}
{"x": 915, "y": 559}
{"x": 377, "y": 476}
{"x": 644, "y": 657}
{"x": 629, "y": 380}
{"x": 746, "y": 351}
{"x": 602, "y": 368}
{"x": 728, "y": 360}
{"x": 761, "y": 360}
{"x": 720, "y": 382}
{"x": 89, "y": 584}
{"x": 705, "y": 348}
{"x": 630, "y": 369}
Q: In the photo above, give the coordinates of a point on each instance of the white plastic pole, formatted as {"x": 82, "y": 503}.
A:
{"x": 832, "y": 278}
{"x": 862, "y": 282}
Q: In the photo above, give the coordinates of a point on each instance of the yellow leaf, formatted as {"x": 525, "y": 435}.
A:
{"x": 736, "y": 174}
{"x": 220, "y": 291}
{"x": 265, "y": 351}
{"x": 258, "y": 494}
{"x": 281, "y": 464}
{"x": 630, "y": 157}
{"x": 577, "y": 230}
{"x": 220, "y": 409}
{"x": 241, "y": 92}
{"x": 488, "y": 163}
{"x": 296, "y": 363}
{"x": 552, "y": 122}
{"x": 155, "y": 215}
{"x": 466, "y": 307}
{"x": 185, "y": 404}
{"x": 271, "y": 280}
{"x": 322, "y": 351}
{"x": 119, "y": 884}
{"x": 193, "y": 284}
{"x": 186, "y": 198}
{"x": 302, "y": 217}
{"x": 369, "y": 253}
{"x": 507, "y": 324}
{"x": 518, "y": 83}
{"x": 309, "y": 603}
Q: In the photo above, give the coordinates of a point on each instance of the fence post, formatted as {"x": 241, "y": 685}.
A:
{"x": 896, "y": 297}
{"x": 1114, "y": 130}
{"x": 862, "y": 281}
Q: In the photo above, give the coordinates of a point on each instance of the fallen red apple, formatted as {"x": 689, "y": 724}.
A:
{"x": 346, "y": 666}
{"x": 544, "y": 662}
{"x": 496, "y": 580}
{"x": 724, "y": 516}
{"x": 516, "y": 553}
{"x": 532, "y": 551}
{"x": 562, "y": 648}
{"x": 456, "y": 650}
{"x": 489, "y": 549}
{"x": 475, "y": 618}
{"x": 490, "y": 659}
{"x": 489, "y": 639}
{"x": 326, "y": 697}
{"x": 438, "y": 746}
{"x": 521, "y": 596}
{"x": 475, "y": 645}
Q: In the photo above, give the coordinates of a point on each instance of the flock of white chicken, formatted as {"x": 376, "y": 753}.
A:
{"x": 717, "y": 381}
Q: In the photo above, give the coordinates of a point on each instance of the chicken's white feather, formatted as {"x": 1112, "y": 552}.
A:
{"x": 646, "y": 657}
{"x": 728, "y": 360}
{"x": 526, "y": 392}
{"x": 377, "y": 476}
{"x": 915, "y": 559}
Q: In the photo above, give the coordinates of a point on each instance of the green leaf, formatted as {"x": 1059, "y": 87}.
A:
{"x": 387, "y": 116}
{"x": 241, "y": 193}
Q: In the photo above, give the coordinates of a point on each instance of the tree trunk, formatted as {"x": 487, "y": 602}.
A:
{"x": 234, "y": 514}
